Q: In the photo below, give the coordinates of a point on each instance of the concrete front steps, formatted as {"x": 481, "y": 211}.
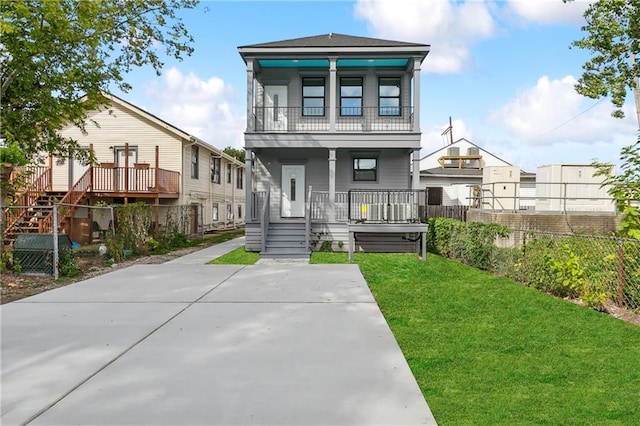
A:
{"x": 286, "y": 241}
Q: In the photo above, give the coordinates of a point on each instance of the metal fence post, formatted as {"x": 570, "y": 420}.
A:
{"x": 56, "y": 254}
{"x": 620, "y": 273}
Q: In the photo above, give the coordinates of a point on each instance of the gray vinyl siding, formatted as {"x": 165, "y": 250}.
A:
{"x": 338, "y": 233}
{"x": 252, "y": 241}
{"x": 393, "y": 169}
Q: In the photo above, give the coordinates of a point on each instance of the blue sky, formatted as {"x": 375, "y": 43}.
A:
{"x": 502, "y": 70}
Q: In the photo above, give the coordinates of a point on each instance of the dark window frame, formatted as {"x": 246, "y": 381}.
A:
{"x": 195, "y": 162}
{"x": 228, "y": 172}
{"x": 239, "y": 178}
{"x": 215, "y": 212}
{"x": 313, "y": 111}
{"x": 216, "y": 166}
{"x": 358, "y": 172}
{"x": 386, "y": 109}
{"x": 346, "y": 97}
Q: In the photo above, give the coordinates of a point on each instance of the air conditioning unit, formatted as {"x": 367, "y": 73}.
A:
{"x": 473, "y": 151}
{"x": 453, "y": 151}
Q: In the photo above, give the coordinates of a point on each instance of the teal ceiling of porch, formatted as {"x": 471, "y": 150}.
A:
{"x": 324, "y": 63}
{"x": 345, "y": 63}
{"x": 294, "y": 63}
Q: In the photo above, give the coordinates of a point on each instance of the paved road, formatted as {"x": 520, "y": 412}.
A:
{"x": 193, "y": 344}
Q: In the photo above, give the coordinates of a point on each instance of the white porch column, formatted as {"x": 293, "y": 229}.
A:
{"x": 416, "y": 95}
{"x": 332, "y": 185}
{"x": 250, "y": 96}
{"x": 332, "y": 94}
{"x": 415, "y": 175}
{"x": 248, "y": 179}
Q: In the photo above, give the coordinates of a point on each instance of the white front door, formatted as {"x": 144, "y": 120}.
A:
{"x": 293, "y": 191}
{"x": 122, "y": 163}
{"x": 77, "y": 170}
{"x": 275, "y": 111}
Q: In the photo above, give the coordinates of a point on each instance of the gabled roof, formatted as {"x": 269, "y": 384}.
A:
{"x": 334, "y": 44}
{"x": 168, "y": 126}
{"x": 334, "y": 40}
{"x": 470, "y": 143}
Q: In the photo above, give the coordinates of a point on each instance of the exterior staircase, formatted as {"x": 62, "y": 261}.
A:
{"x": 286, "y": 241}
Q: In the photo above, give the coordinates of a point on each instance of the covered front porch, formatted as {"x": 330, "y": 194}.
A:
{"x": 357, "y": 220}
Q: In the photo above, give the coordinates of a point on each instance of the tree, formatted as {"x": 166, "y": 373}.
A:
{"x": 613, "y": 36}
{"x": 57, "y": 57}
{"x": 234, "y": 152}
{"x": 624, "y": 187}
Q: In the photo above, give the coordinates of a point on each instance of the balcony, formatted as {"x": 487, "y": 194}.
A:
{"x": 347, "y": 120}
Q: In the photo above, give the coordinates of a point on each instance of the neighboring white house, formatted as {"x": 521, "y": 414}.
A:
{"x": 141, "y": 158}
{"x": 453, "y": 176}
{"x": 333, "y": 124}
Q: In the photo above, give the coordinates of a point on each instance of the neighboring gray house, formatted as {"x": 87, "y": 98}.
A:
{"x": 333, "y": 125}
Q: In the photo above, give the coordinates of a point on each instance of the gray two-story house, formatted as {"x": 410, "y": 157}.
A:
{"x": 333, "y": 132}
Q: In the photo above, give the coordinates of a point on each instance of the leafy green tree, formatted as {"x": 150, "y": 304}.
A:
{"x": 57, "y": 56}
{"x": 624, "y": 187}
{"x": 613, "y": 36}
{"x": 234, "y": 152}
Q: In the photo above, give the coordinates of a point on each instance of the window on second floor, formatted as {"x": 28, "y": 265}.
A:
{"x": 194, "y": 162}
{"x": 389, "y": 96}
{"x": 313, "y": 96}
{"x": 351, "y": 96}
{"x": 239, "y": 177}
{"x": 215, "y": 169}
{"x": 365, "y": 169}
{"x": 228, "y": 173}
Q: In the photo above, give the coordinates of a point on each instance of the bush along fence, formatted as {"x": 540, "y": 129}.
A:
{"x": 595, "y": 269}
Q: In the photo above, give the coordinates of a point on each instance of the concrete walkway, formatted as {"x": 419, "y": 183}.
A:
{"x": 193, "y": 344}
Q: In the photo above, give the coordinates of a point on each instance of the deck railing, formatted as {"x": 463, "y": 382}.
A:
{"x": 385, "y": 206}
{"x": 316, "y": 119}
{"x": 321, "y": 207}
{"x": 122, "y": 179}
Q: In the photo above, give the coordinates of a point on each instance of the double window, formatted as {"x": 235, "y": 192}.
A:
{"x": 365, "y": 169}
{"x": 350, "y": 96}
{"x": 389, "y": 96}
{"x": 313, "y": 96}
{"x": 215, "y": 169}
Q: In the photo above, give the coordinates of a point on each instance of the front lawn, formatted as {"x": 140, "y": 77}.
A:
{"x": 487, "y": 351}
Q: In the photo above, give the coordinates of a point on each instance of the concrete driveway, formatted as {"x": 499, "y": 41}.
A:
{"x": 193, "y": 344}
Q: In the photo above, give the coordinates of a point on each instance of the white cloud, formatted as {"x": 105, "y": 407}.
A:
{"x": 550, "y": 11}
{"x": 203, "y": 108}
{"x": 552, "y": 111}
{"x": 449, "y": 27}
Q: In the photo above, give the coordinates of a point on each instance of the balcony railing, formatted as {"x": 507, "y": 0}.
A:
{"x": 351, "y": 120}
{"x": 385, "y": 206}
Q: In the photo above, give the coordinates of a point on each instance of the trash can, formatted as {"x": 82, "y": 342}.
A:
{"x": 34, "y": 252}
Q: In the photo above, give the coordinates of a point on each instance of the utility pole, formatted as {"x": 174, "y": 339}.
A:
{"x": 450, "y": 131}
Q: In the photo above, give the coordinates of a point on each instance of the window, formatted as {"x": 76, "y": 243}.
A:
{"x": 228, "y": 173}
{"x": 239, "y": 177}
{"x": 229, "y": 212}
{"x": 434, "y": 195}
{"x": 215, "y": 169}
{"x": 239, "y": 211}
{"x": 194, "y": 162}
{"x": 389, "y": 96}
{"x": 313, "y": 96}
{"x": 365, "y": 169}
{"x": 214, "y": 212}
{"x": 351, "y": 96}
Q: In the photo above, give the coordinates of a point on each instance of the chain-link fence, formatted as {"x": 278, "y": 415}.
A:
{"x": 595, "y": 269}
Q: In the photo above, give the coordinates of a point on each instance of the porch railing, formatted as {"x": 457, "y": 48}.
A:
{"x": 316, "y": 119}
{"x": 385, "y": 206}
{"x": 122, "y": 179}
{"x": 320, "y": 208}
{"x": 257, "y": 201}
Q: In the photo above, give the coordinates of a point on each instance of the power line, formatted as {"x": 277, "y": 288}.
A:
{"x": 571, "y": 119}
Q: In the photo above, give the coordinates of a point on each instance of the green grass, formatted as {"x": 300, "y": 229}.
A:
{"x": 487, "y": 351}
{"x": 237, "y": 257}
